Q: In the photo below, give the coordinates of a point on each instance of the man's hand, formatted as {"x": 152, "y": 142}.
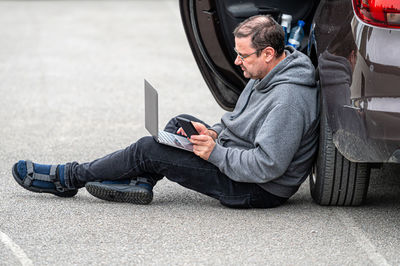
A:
{"x": 201, "y": 129}
{"x": 203, "y": 145}
{"x": 204, "y": 131}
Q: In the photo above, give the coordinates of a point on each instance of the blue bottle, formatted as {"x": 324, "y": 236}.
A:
{"x": 297, "y": 35}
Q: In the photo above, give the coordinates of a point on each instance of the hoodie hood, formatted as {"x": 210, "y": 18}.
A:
{"x": 293, "y": 69}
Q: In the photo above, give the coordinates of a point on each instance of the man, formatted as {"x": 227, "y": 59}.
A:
{"x": 257, "y": 157}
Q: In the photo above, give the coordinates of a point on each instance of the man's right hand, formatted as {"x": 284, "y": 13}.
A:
{"x": 201, "y": 129}
{"x": 205, "y": 131}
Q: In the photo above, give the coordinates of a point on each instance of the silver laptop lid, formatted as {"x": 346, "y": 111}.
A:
{"x": 151, "y": 109}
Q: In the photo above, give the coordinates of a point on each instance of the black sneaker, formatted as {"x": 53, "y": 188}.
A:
{"x": 137, "y": 191}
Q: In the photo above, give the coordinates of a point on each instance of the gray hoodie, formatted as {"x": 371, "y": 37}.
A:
{"x": 270, "y": 138}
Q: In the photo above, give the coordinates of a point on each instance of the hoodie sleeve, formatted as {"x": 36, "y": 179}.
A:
{"x": 275, "y": 144}
{"x": 217, "y": 128}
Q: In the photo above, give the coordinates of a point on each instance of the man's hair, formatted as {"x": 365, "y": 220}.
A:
{"x": 264, "y": 32}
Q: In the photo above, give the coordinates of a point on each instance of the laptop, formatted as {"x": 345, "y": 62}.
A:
{"x": 151, "y": 121}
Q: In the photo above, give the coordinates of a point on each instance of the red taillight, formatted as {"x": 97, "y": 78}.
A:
{"x": 382, "y": 13}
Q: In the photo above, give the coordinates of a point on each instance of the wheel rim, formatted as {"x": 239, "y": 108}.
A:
{"x": 314, "y": 174}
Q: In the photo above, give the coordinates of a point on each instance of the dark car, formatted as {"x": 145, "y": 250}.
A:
{"x": 355, "y": 47}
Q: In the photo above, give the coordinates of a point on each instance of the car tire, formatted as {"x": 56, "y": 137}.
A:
{"x": 336, "y": 181}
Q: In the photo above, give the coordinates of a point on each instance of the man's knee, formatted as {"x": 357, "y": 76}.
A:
{"x": 143, "y": 145}
{"x": 149, "y": 148}
{"x": 189, "y": 117}
{"x": 174, "y": 120}
{"x": 173, "y": 124}
{"x": 146, "y": 142}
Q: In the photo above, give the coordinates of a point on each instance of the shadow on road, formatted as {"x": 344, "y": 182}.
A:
{"x": 384, "y": 188}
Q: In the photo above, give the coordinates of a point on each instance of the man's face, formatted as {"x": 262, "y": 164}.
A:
{"x": 253, "y": 66}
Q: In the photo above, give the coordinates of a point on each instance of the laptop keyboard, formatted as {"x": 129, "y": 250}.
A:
{"x": 167, "y": 137}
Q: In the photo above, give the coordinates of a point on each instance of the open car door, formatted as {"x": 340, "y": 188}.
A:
{"x": 209, "y": 25}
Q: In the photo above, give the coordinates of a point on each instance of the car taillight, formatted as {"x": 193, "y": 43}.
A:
{"x": 382, "y": 13}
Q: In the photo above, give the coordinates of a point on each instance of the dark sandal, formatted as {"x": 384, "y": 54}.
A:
{"x": 27, "y": 181}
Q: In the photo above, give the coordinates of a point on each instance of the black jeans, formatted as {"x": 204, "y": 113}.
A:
{"x": 152, "y": 160}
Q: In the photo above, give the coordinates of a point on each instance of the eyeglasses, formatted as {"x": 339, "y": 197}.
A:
{"x": 242, "y": 57}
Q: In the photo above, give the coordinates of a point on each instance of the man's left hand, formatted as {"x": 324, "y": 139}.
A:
{"x": 203, "y": 145}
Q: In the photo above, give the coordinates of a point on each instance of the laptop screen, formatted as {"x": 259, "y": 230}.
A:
{"x": 151, "y": 109}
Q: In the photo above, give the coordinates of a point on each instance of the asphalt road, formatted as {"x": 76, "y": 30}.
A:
{"x": 71, "y": 82}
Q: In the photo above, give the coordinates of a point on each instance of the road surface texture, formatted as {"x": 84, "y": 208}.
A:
{"x": 72, "y": 89}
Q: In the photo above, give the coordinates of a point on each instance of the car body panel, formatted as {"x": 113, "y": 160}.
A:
{"x": 359, "y": 76}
